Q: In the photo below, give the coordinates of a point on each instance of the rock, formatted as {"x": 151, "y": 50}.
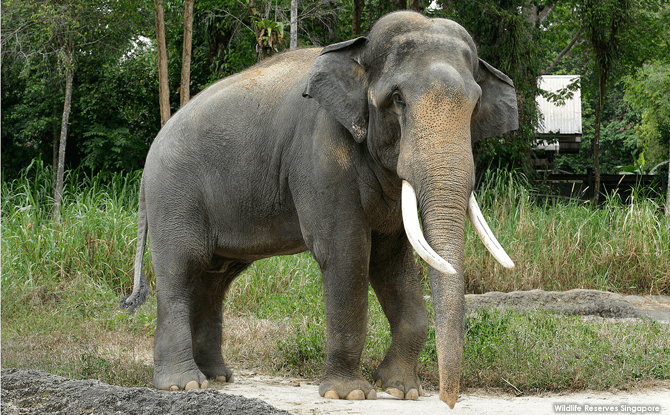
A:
{"x": 656, "y": 307}
{"x": 575, "y": 302}
{"x": 38, "y": 392}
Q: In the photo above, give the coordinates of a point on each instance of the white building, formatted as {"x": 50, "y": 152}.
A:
{"x": 561, "y": 130}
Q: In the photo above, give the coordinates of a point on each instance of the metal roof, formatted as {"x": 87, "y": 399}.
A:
{"x": 561, "y": 119}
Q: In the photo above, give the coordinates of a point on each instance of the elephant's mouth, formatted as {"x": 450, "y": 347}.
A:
{"x": 421, "y": 246}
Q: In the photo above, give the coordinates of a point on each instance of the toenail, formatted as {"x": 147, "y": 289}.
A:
{"x": 356, "y": 395}
{"x": 412, "y": 395}
{"x": 395, "y": 392}
{"x": 331, "y": 394}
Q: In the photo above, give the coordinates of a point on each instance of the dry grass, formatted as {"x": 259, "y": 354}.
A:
{"x": 250, "y": 342}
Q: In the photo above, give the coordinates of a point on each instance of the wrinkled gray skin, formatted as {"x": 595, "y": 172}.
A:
{"x": 307, "y": 151}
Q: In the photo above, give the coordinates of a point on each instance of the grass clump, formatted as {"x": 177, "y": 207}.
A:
{"x": 542, "y": 351}
{"x": 99, "y": 225}
{"x": 61, "y": 283}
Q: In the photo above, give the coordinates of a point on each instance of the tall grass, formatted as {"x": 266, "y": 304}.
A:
{"x": 616, "y": 247}
{"x": 96, "y": 236}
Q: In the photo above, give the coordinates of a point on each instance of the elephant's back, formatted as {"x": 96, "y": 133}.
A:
{"x": 257, "y": 89}
{"x": 270, "y": 76}
{"x": 242, "y": 103}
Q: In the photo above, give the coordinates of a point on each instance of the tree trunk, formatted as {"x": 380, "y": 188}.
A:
{"x": 596, "y": 139}
{"x": 163, "y": 87}
{"x": 356, "y": 20}
{"x": 69, "y": 75}
{"x": 414, "y": 5}
{"x": 185, "y": 89}
{"x": 54, "y": 169}
{"x": 294, "y": 24}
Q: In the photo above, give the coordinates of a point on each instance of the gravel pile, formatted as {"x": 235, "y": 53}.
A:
{"x": 38, "y": 392}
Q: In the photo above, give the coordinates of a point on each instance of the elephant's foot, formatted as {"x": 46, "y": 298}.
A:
{"x": 352, "y": 389}
{"x": 179, "y": 380}
{"x": 218, "y": 372}
{"x": 398, "y": 384}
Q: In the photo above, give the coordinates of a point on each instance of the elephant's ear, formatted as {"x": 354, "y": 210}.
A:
{"x": 497, "y": 111}
{"x": 337, "y": 82}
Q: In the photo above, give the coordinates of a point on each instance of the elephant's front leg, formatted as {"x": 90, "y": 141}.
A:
{"x": 397, "y": 282}
{"x": 344, "y": 262}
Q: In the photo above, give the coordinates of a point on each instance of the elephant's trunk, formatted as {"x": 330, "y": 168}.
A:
{"x": 435, "y": 159}
{"x": 444, "y": 225}
{"x": 443, "y": 205}
{"x": 443, "y": 184}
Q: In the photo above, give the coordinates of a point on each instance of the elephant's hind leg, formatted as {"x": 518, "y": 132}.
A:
{"x": 174, "y": 367}
{"x": 207, "y": 318}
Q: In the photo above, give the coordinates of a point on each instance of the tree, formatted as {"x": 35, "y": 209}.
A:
{"x": 356, "y": 17}
{"x": 68, "y": 66}
{"x": 184, "y": 91}
{"x": 163, "y": 83}
{"x": 294, "y": 24}
{"x": 649, "y": 92}
{"x": 58, "y": 32}
{"x": 605, "y": 21}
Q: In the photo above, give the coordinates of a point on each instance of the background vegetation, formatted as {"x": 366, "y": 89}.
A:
{"x": 115, "y": 113}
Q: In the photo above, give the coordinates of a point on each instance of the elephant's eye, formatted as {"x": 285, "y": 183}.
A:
{"x": 397, "y": 98}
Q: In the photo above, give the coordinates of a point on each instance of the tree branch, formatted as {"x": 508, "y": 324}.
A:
{"x": 563, "y": 52}
{"x": 544, "y": 14}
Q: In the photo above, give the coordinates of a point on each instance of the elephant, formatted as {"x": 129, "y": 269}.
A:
{"x": 335, "y": 150}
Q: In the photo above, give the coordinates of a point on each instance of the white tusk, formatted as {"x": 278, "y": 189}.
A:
{"x": 414, "y": 234}
{"x": 484, "y": 232}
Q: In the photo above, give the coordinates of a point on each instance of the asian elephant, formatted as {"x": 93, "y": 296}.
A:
{"x": 326, "y": 150}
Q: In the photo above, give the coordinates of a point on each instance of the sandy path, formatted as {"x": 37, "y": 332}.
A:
{"x": 302, "y": 397}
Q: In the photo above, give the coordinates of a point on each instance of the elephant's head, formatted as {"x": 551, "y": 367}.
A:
{"x": 416, "y": 92}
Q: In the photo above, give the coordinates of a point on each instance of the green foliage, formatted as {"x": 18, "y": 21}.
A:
{"x": 606, "y": 23}
{"x": 115, "y": 112}
{"x": 42, "y": 41}
{"x": 304, "y": 352}
{"x": 649, "y": 92}
{"x": 112, "y": 124}
{"x": 618, "y": 143}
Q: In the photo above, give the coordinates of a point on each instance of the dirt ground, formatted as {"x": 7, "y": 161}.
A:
{"x": 38, "y": 392}
{"x": 300, "y": 397}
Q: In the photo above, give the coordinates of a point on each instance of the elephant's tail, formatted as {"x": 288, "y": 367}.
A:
{"x": 140, "y": 286}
